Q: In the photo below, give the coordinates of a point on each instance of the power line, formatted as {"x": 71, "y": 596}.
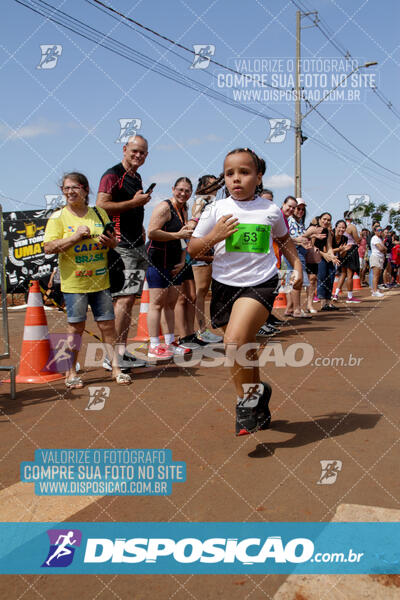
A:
{"x": 94, "y": 35}
{"x": 192, "y": 52}
{"x": 346, "y": 54}
{"x": 345, "y": 157}
{"x": 351, "y": 143}
{"x": 190, "y": 62}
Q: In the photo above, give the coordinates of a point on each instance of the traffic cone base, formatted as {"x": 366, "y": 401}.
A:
{"x": 142, "y": 334}
{"x": 280, "y": 301}
{"x": 356, "y": 282}
{"x": 335, "y": 284}
{"x": 35, "y": 350}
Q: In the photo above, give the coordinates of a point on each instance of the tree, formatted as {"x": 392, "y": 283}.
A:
{"x": 367, "y": 214}
{"x": 394, "y": 219}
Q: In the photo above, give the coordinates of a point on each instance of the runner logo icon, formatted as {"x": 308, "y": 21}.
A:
{"x": 278, "y": 130}
{"x": 329, "y": 471}
{"x": 128, "y": 128}
{"x": 98, "y": 397}
{"x": 50, "y": 55}
{"x": 62, "y": 547}
{"x": 202, "y": 55}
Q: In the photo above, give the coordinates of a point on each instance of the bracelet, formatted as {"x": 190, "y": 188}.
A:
{"x": 194, "y": 219}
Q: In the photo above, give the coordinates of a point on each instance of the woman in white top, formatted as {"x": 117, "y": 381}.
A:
{"x": 245, "y": 277}
{"x": 377, "y": 259}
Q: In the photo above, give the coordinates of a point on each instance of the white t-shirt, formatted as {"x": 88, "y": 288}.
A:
{"x": 232, "y": 266}
{"x": 374, "y": 250}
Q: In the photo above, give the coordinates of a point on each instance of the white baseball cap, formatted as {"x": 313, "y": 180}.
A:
{"x": 300, "y": 201}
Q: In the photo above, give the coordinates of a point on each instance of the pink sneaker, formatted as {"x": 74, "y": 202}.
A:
{"x": 353, "y": 301}
{"x": 179, "y": 350}
{"x": 161, "y": 351}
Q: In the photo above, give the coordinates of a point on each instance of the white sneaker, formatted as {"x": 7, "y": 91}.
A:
{"x": 209, "y": 337}
{"x": 179, "y": 349}
{"x": 378, "y": 295}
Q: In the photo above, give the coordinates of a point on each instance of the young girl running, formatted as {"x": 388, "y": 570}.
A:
{"x": 241, "y": 229}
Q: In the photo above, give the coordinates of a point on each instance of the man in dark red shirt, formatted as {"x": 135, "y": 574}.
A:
{"x": 121, "y": 195}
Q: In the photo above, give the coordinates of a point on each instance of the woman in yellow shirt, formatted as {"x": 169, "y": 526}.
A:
{"x": 75, "y": 233}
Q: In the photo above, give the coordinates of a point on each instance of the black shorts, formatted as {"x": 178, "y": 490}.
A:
{"x": 223, "y": 297}
{"x": 187, "y": 272}
{"x": 352, "y": 260}
{"x": 312, "y": 268}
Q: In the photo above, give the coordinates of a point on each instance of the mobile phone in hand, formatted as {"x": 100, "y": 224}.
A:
{"x": 150, "y": 188}
{"x": 109, "y": 228}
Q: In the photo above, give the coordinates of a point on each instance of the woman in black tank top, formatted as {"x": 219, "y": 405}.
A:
{"x": 167, "y": 249}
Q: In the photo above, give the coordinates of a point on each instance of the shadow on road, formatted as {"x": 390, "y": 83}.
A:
{"x": 309, "y": 432}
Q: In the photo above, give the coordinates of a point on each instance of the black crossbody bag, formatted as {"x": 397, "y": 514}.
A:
{"x": 115, "y": 265}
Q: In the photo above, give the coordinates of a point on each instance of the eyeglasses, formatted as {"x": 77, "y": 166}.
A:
{"x": 72, "y": 188}
{"x": 299, "y": 207}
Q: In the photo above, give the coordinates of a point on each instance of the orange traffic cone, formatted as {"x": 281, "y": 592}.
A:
{"x": 280, "y": 301}
{"x": 356, "y": 282}
{"x": 335, "y": 283}
{"x": 142, "y": 334}
{"x": 36, "y": 344}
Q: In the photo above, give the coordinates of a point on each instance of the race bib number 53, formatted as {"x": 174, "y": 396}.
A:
{"x": 250, "y": 237}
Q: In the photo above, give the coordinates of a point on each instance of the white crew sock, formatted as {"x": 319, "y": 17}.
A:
{"x": 169, "y": 338}
{"x": 154, "y": 341}
{"x": 251, "y": 394}
{"x": 350, "y": 295}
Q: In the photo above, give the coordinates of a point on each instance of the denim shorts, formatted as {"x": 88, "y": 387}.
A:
{"x": 162, "y": 278}
{"x": 100, "y": 302}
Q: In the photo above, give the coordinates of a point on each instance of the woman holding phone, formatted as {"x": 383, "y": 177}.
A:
{"x": 77, "y": 234}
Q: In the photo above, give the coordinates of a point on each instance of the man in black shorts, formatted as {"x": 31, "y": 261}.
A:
{"x": 121, "y": 195}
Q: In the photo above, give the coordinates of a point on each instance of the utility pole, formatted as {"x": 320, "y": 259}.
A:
{"x": 297, "y": 125}
{"x": 299, "y": 138}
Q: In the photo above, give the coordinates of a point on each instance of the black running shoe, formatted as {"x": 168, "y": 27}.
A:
{"x": 246, "y": 419}
{"x": 192, "y": 339}
{"x": 268, "y": 330}
{"x": 264, "y": 414}
{"x": 272, "y": 320}
{"x": 329, "y": 308}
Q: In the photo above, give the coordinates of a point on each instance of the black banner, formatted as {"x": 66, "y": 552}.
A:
{"x": 25, "y": 259}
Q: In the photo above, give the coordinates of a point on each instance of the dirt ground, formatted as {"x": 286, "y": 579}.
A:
{"x": 332, "y": 412}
